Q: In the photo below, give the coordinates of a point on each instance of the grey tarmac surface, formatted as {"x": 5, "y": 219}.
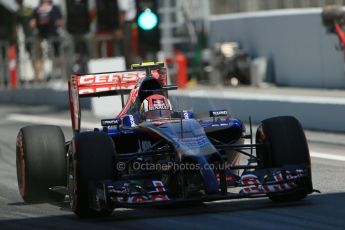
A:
{"x": 317, "y": 211}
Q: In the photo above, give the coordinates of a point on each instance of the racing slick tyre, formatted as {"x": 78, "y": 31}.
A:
{"x": 93, "y": 158}
{"x": 284, "y": 143}
{"x": 41, "y": 162}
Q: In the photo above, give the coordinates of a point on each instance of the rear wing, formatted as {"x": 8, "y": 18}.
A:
{"x": 107, "y": 84}
{"x": 113, "y": 83}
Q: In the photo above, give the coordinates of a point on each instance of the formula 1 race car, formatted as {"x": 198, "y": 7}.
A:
{"x": 150, "y": 154}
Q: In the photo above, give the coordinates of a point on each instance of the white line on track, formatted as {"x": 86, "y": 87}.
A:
{"x": 327, "y": 156}
{"x": 263, "y": 97}
{"x": 90, "y": 125}
{"x": 48, "y": 121}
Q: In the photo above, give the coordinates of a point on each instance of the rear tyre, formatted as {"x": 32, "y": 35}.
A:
{"x": 93, "y": 158}
{"x": 284, "y": 143}
{"x": 41, "y": 162}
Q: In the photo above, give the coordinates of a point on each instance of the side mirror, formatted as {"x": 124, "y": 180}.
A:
{"x": 111, "y": 122}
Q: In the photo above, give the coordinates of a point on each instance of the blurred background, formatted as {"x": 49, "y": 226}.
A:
{"x": 203, "y": 42}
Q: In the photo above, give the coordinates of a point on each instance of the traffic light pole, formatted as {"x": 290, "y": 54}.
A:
{"x": 166, "y": 11}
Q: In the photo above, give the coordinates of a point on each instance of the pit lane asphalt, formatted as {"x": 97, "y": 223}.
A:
{"x": 318, "y": 211}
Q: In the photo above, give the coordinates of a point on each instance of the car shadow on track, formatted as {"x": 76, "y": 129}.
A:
{"x": 316, "y": 209}
{"x": 204, "y": 208}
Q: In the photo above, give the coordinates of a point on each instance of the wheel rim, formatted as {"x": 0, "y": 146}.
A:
{"x": 20, "y": 164}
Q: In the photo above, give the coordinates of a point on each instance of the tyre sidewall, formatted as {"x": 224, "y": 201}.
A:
{"x": 42, "y": 151}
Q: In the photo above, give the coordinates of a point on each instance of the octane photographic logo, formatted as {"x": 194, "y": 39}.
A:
{"x": 121, "y": 166}
{"x": 167, "y": 166}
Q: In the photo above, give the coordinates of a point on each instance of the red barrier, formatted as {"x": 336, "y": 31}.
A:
{"x": 181, "y": 70}
{"x": 12, "y": 57}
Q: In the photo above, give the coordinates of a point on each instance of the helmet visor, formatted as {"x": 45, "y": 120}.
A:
{"x": 158, "y": 114}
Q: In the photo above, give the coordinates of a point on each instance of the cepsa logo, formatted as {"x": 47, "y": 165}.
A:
{"x": 106, "y": 82}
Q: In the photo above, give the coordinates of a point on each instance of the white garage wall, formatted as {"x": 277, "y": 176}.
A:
{"x": 299, "y": 51}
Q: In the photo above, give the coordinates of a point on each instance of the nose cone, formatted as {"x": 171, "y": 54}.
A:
{"x": 208, "y": 176}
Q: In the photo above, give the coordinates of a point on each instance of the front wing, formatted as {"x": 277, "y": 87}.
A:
{"x": 108, "y": 194}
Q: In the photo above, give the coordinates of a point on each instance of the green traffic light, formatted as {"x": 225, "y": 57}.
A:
{"x": 147, "y": 20}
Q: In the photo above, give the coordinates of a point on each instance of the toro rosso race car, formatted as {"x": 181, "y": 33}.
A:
{"x": 150, "y": 154}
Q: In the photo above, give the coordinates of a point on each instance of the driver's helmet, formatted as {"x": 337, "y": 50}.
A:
{"x": 155, "y": 107}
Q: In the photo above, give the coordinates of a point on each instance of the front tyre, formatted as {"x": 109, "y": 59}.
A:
{"x": 92, "y": 159}
{"x": 284, "y": 143}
